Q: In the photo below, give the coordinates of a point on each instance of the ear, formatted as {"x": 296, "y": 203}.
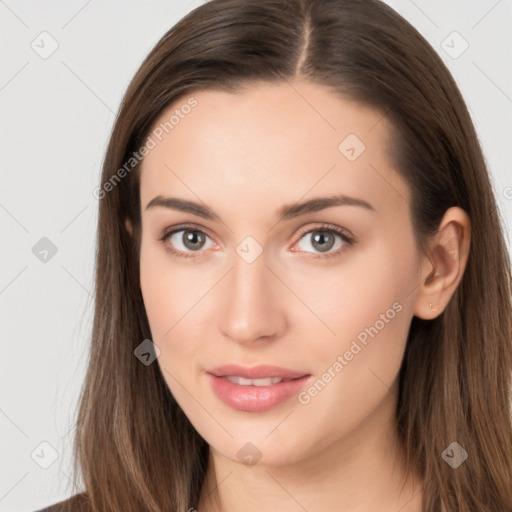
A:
{"x": 128, "y": 226}
{"x": 444, "y": 265}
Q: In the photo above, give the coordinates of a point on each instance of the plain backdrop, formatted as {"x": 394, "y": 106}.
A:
{"x": 64, "y": 68}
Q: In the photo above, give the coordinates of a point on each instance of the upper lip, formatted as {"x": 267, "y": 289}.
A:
{"x": 255, "y": 372}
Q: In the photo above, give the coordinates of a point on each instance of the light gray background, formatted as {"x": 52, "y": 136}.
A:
{"x": 56, "y": 116}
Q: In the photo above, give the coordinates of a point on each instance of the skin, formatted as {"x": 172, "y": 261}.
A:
{"x": 245, "y": 156}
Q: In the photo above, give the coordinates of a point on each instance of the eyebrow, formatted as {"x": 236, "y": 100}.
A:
{"x": 287, "y": 212}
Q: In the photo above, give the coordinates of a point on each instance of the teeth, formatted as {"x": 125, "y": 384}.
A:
{"x": 242, "y": 381}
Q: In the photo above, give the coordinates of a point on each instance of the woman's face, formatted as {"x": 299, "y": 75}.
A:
{"x": 249, "y": 277}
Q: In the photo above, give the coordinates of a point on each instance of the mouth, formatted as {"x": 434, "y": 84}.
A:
{"x": 255, "y": 389}
{"x": 266, "y": 381}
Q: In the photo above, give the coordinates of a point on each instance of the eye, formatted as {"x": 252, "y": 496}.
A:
{"x": 324, "y": 239}
{"x": 185, "y": 241}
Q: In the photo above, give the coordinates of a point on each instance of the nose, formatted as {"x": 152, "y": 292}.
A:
{"x": 251, "y": 302}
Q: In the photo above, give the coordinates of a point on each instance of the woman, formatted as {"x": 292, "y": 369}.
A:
{"x": 302, "y": 288}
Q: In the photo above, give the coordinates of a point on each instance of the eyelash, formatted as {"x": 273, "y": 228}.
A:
{"x": 348, "y": 240}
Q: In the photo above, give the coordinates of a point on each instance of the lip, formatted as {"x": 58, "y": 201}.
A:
{"x": 255, "y": 398}
{"x": 256, "y": 372}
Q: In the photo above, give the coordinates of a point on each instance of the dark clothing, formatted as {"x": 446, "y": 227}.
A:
{"x": 77, "y": 503}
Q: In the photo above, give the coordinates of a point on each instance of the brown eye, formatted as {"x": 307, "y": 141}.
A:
{"x": 192, "y": 240}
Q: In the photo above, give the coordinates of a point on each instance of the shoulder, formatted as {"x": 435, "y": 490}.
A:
{"x": 77, "y": 503}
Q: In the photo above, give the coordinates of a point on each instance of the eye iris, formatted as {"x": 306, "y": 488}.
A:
{"x": 190, "y": 239}
{"x": 320, "y": 237}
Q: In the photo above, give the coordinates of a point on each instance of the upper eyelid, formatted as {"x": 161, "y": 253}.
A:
{"x": 339, "y": 230}
{"x": 166, "y": 232}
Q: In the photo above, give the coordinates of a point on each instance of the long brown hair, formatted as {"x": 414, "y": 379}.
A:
{"x": 135, "y": 449}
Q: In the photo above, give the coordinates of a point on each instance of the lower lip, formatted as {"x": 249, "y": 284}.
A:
{"x": 255, "y": 398}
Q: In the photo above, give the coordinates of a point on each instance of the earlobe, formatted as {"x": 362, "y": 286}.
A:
{"x": 445, "y": 264}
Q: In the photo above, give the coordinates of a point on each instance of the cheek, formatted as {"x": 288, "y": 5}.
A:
{"x": 175, "y": 298}
{"x": 363, "y": 293}
{"x": 371, "y": 319}
{"x": 167, "y": 292}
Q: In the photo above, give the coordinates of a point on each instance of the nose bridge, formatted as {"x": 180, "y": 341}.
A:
{"x": 250, "y": 308}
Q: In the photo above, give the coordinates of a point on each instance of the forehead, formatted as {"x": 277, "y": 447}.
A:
{"x": 275, "y": 142}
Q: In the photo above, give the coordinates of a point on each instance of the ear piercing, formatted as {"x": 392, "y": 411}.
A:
{"x": 433, "y": 309}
